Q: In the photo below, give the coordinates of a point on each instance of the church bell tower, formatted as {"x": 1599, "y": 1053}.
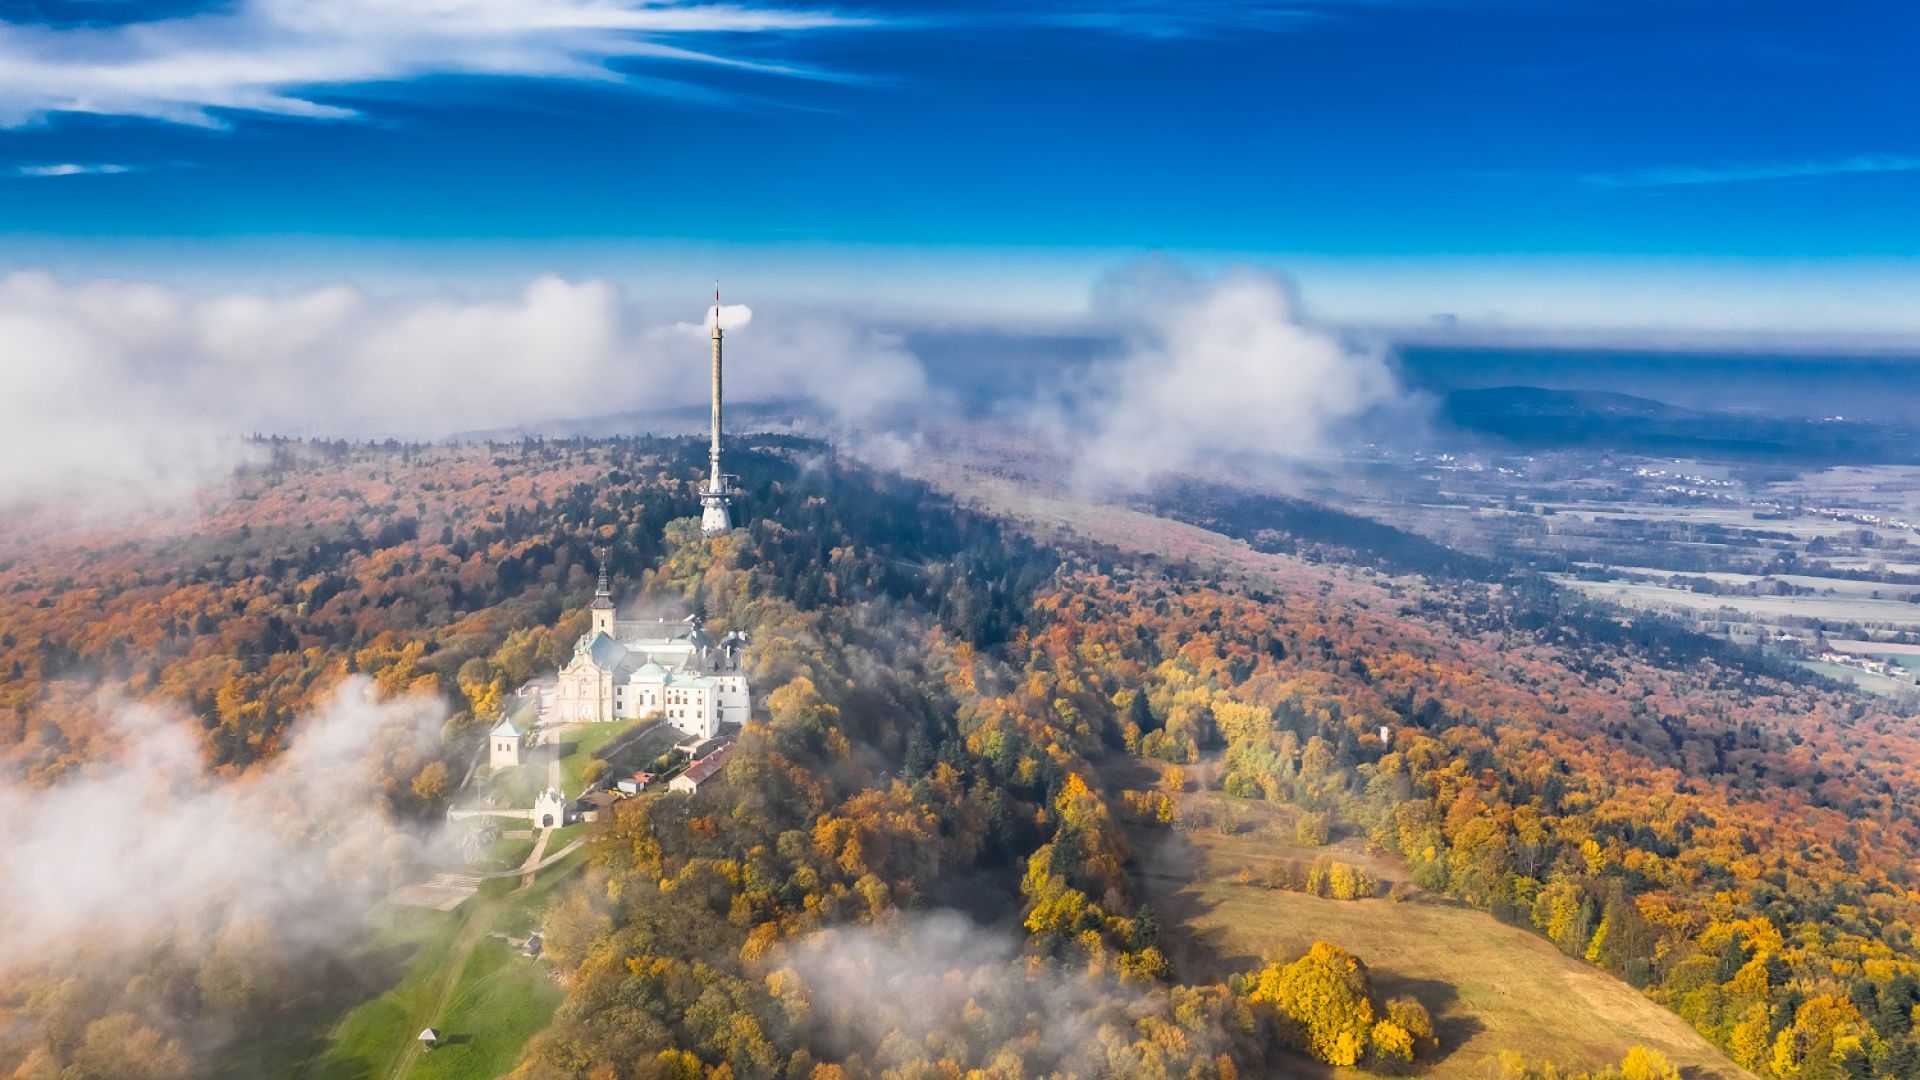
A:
{"x": 602, "y": 607}
{"x": 716, "y": 499}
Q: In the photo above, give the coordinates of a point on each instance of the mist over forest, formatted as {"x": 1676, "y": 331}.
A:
{"x": 936, "y": 540}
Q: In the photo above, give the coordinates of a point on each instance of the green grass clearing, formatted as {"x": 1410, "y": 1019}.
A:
{"x": 422, "y": 968}
{"x": 581, "y": 744}
{"x": 499, "y": 1001}
{"x": 1865, "y": 680}
{"x": 507, "y": 853}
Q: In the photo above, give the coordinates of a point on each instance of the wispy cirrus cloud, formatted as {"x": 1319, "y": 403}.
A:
{"x": 287, "y": 57}
{"x": 301, "y": 58}
{"x": 1686, "y": 175}
{"x": 70, "y": 168}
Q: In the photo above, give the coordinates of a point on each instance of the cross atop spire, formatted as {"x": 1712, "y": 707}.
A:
{"x": 603, "y": 591}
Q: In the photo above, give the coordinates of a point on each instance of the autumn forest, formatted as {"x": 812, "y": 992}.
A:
{"x": 926, "y": 855}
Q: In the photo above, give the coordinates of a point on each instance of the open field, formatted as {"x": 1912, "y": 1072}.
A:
{"x": 1828, "y": 587}
{"x": 1802, "y": 526}
{"x": 1860, "y": 562}
{"x": 1490, "y": 986}
{"x": 448, "y": 970}
{"x": 500, "y": 1000}
{"x": 1875, "y": 648}
{"x": 1865, "y": 680}
{"x": 1832, "y": 609}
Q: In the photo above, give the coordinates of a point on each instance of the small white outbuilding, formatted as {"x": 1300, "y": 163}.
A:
{"x": 549, "y": 810}
{"x": 506, "y": 745}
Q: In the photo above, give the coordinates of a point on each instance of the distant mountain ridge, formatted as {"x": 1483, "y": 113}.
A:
{"x": 1532, "y": 417}
{"x": 1540, "y": 401}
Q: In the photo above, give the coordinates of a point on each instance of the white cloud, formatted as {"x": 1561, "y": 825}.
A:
{"x": 889, "y": 989}
{"x": 1213, "y": 369}
{"x": 145, "y": 846}
{"x": 111, "y": 388}
{"x": 70, "y": 169}
{"x": 1689, "y": 175}
{"x": 282, "y": 56}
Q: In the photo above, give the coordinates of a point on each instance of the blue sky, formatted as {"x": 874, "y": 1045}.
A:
{"x": 1399, "y": 158}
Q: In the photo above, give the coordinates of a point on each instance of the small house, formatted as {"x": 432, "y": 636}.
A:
{"x": 596, "y": 806}
{"x": 633, "y": 785}
{"x": 429, "y": 1037}
{"x": 698, "y": 773}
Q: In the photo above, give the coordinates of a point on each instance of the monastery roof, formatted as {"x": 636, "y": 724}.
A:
{"x": 605, "y": 652}
{"x": 658, "y": 632}
{"x": 505, "y": 730}
{"x": 650, "y": 670}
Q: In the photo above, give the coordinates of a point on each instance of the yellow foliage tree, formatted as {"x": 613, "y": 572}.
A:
{"x": 1412, "y": 1017}
{"x": 1392, "y": 1047}
{"x": 1644, "y": 1064}
{"x": 1174, "y": 780}
{"x": 1324, "y": 1002}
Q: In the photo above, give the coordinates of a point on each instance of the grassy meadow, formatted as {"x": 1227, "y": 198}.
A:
{"x": 1490, "y": 986}
{"x": 453, "y": 971}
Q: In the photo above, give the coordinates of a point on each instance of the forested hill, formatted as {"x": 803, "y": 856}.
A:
{"x": 957, "y": 717}
{"x": 414, "y": 565}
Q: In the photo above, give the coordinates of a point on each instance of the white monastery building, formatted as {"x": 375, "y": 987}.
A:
{"x": 636, "y": 667}
{"x": 630, "y": 668}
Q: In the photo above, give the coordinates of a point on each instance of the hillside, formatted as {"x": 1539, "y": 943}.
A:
{"x": 956, "y": 701}
{"x": 1533, "y": 418}
{"x": 1492, "y": 987}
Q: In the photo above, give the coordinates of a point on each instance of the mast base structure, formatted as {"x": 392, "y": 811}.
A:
{"x": 716, "y": 506}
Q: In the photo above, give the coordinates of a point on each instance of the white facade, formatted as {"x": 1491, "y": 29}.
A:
{"x": 629, "y": 669}
{"x": 506, "y": 745}
{"x": 549, "y": 810}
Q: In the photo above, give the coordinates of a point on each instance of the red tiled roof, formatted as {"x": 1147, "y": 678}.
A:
{"x": 699, "y": 771}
